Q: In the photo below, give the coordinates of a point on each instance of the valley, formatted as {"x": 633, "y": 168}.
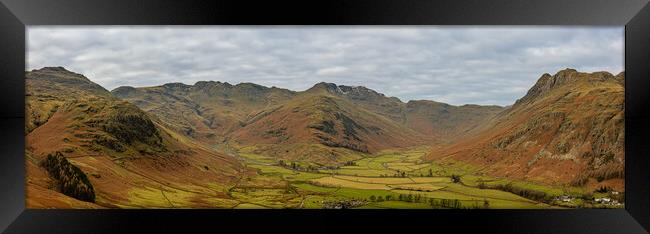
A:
{"x": 394, "y": 179}
{"x": 218, "y": 145}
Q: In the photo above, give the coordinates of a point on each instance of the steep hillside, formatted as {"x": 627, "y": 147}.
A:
{"x": 84, "y": 143}
{"x": 446, "y": 122}
{"x": 434, "y": 120}
{"x": 48, "y": 88}
{"x": 568, "y": 128}
{"x": 205, "y": 111}
{"x": 326, "y": 120}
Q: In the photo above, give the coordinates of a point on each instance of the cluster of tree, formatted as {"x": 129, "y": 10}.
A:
{"x": 380, "y": 198}
{"x": 604, "y": 189}
{"x": 350, "y": 163}
{"x": 71, "y": 180}
{"x": 485, "y": 204}
{"x": 607, "y": 172}
{"x": 527, "y": 193}
{"x": 296, "y": 167}
{"x": 343, "y": 204}
{"x": 410, "y": 198}
{"x": 433, "y": 202}
{"x": 400, "y": 174}
{"x": 403, "y": 174}
{"x": 445, "y": 203}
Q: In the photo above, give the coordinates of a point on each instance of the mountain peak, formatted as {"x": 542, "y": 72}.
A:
{"x": 342, "y": 89}
{"x": 57, "y": 69}
{"x": 176, "y": 85}
{"x": 566, "y": 71}
{"x": 251, "y": 85}
{"x": 205, "y": 84}
{"x": 352, "y": 92}
{"x": 66, "y": 78}
{"x": 57, "y": 72}
{"x": 124, "y": 91}
{"x": 325, "y": 86}
{"x": 564, "y": 77}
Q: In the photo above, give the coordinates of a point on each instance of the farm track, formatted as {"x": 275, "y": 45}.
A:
{"x": 165, "y": 196}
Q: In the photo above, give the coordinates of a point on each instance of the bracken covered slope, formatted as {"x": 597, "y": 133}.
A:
{"x": 568, "y": 129}
{"x": 86, "y": 144}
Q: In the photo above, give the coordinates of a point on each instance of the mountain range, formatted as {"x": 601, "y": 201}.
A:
{"x": 568, "y": 129}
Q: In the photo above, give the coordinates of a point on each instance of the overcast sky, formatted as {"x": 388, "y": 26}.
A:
{"x": 456, "y": 65}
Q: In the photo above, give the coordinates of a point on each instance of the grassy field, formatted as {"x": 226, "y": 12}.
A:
{"x": 396, "y": 178}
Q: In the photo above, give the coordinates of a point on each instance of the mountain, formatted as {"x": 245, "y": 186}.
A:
{"x": 390, "y": 107}
{"x": 161, "y": 146}
{"x": 325, "y": 124}
{"x": 433, "y": 120}
{"x": 568, "y": 128}
{"x": 446, "y": 122}
{"x": 206, "y": 111}
{"x": 323, "y": 119}
{"x": 98, "y": 150}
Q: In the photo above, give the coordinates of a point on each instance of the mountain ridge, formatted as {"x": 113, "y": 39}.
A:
{"x": 406, "y": 119}
{"x": 568, "y": 128}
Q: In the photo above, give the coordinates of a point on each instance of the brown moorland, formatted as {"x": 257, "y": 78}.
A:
{"x": 568, "y": 129}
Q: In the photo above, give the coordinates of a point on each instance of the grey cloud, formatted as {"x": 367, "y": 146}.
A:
{"x": 457, "y": 65}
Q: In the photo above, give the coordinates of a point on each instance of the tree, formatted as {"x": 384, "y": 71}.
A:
{"x": 455, "y": 178}
{"x": 372, "y": 198}
{"x": 388, "y": 197}
{"x": 380, "y": 199}
{"x": 486, "y": 204}
{"x": 430, "y": 172}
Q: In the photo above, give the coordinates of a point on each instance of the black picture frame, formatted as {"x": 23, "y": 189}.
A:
{"x": 15, "y": 15}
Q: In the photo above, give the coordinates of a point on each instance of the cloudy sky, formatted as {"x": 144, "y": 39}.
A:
{"x": 456, "y": 65}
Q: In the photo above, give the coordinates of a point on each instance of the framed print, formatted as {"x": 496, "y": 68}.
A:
{"x": 514, "y": 117}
